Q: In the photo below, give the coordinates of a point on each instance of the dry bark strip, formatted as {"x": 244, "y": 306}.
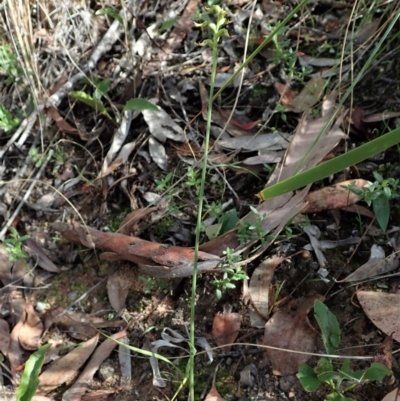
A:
{"x": 157, "y": 260}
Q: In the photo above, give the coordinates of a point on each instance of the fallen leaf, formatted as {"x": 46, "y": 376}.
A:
{"x": 213, "y": 395}
{"x": 373, "y": 118}
{"x": 290, "y": 332}
{"x": 60, "y": 121}
{"x": 259, "y": 290}
{"x": 158, "y": 153}
{"x": 376, "y": 265}
{"x": 129, "y": 224}
{"x": 225, "y": 329}
{"x": 79, "y": 388}
{"x": 162, "y": 126}
{"x": 252, "y": 143}
{"x": 31, "y": 330}
{"x": 383, "y": 310}
{"x": 117, "y": 290}
{"x": 393, "y": 395}
{"x": 64, "y": 369}
{"x": 39, "y": 256}
{"x": 16, "y": 355}
{"x": 309, "y": 96}
{"x": 336, "y": 196}
{"x": 4, "y": 337}
{"x": 287, "y": 95}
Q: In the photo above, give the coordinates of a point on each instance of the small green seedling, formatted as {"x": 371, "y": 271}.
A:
{"x": 342, "y": 379}
{"x": 231, "y": 273}
{"x": 379, "y": 194}
{"x": 14, "y": 245}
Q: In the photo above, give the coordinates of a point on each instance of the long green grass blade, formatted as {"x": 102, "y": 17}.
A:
{"x": 333, "y": 166}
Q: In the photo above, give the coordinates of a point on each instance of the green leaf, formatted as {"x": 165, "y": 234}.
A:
{"x": 346, "y": 367}
{"x": 377, "y": 371}
{"x": 29, "y": 381}
{"x": 308, "y": 378}
{"x": 381, "y": 208}
{"x": 93, "y": 103}
{"x": 333, "y": 166}
{"x": 167, "y": 24}
{"x": 331, "y": 376}
{"x": 229, "y": 220}
{"x": 337, "y": 397}
{"x": 324, "y": 365}
{"x": 101, "y": 89}
{"x": 329, "y": 326}
{"x": 111, "y": 13}
{"x": 213, "y": 231}
{"x": 140, "y": 104}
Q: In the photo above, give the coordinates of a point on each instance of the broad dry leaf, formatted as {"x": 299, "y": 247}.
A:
{"x": 129, "y": 224}
{"x": 79, "y": 325}
{"x": 291, "y": 332}
{"x": 376, "y": 265}
{"x": 31, "y": 331}
{"x": 117, "y": 290}
{"x": 213, "y": 395}
{"x": 162, "y": 126}
{"x": 158, "y": 153}
{"x": 5, "y": 265}
{"x": 65, "y": 369}
{"x": 60, "y": 121}
{"x": 286, "y": 94}
{"x": 336, "y": 196}
{"x": 259, "y": 290}
{"x": 252, "y": 143}
{"x": 79, "y": 388}
{"x": 16, "y": 355}
{"x": 383, "y": 310}
{"x": 309, "y": 96}
{"x": 4, "y": 337}
{"x": 39, "y": 256}
{"x": 225, "y": 329}
{"x": 393, "y": 395}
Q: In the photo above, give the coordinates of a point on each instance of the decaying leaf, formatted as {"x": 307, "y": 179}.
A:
{"x": 162, "y": 126}
{"x": 259, "y": 290}
{"x": 16, "y": 355}
{"x": 117, "y": 290}
{"x": 225, "y": 329}
{"x": 336, "y": 196}
{"x": 383, "y": 310}
{"x": 129, "y": 224}
{"x": 376, "y": 265}
{"x": 251, "y": 143}
{"x": 4, "y": 337}
{"x": 290, "y": 332}
{"x": 31, "y": 330}
{"x": 393, "y": 395}
{"x": 309, "y": 96}
{"x": 79, "y": 388}
{"x": 63, "y": 370}
{"x": 213, "y": 395}
{"x": 158, "y": 153}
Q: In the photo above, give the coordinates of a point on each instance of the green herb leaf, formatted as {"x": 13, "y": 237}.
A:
{"x": 329, "y": 326}
{"x": 29, "y": 381}
{"x": 308, "y": 378}
{"x": 139, "y": 104}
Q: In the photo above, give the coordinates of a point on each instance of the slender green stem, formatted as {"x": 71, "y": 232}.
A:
{"x": 199, "y": 220}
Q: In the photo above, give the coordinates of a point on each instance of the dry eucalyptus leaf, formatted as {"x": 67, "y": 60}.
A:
{"x": 336, "y": 196}
{"x": 292, "y": 332}
{"x": 117, "y": 290}
{"x": 376, "y": 265}
{"x": 259, "y": 290}
{"x": 162, "y": 126}
{"x": 309, "y": 96}
{"x": 383, "y": 310}
{"x": 252, "y": 143}
{"x": 225, "y": 329}
{"x": 158, "y": 154}
{"x": 393, "y": 395}
{"x": 65, "y": 369}
{"x": 31, "y": 331}
{"x": 213, "y": 395}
